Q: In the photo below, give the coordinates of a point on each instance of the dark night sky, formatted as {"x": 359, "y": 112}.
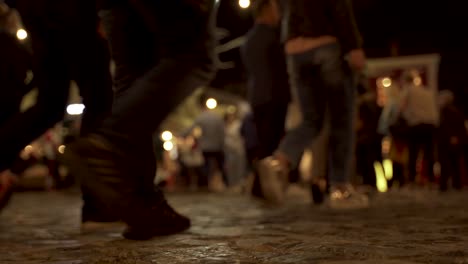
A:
{"x": 418, "y": 26}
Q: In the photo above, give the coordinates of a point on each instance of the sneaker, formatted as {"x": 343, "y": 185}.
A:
{"x": 347, "y": 198}
{"x": 157, "y": 220}
{"x": 273, "y": 180}
{"x": 7, "y": 181}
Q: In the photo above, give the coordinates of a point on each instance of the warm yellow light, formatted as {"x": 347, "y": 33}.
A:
{"x": 166, "y": 136}
{"x": 386, "y": 82}
{"x": 388, "y": 169}
{"x": 417, "y": 81}
{"x": 21, "y": 34}
{"x": 61, "y": 149}
{"x": 244, "y": 3}
{"x": 168, "y": 146}
{"x": 380, "y": 177}
{"x": 211, "y": 103}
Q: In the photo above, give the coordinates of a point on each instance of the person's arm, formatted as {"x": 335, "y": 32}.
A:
{"x": 345, "y": 25}
{"x": 348, "y": 33}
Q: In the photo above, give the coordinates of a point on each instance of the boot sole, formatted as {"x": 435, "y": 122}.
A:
{"x": 132, "y": 233}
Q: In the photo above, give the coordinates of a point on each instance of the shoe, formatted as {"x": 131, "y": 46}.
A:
{"x": 346, "y": 197}
{"x": 95, "y": 220}
{"x": 317, "y": 195}
{"x": 106, "y": 174}
{"x": 7, "y": 182}
{"x": 156, "y": 220}
{"x": 273, "y": 180}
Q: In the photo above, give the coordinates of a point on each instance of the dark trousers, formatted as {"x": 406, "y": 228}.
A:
{"x": 270, "y": 122}
{"x": 66, "y": 47}
{"x": 163, "y": 51}
{"x": 367, "y": 153}
{"x": 451, "y": 158}
{"x": 421, "y": 137}
{"x": 214, "y": 160}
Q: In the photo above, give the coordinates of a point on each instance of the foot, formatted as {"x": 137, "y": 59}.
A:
{"x": 95, "y": 220}
{"x": 7, "y": 181}
{"x": 273, "y": 180}
{"x": 346, "y": 197}
{"x": 106, "y": 174}
{"x": 317, "y": 194}
{"x": 157, "y": 220}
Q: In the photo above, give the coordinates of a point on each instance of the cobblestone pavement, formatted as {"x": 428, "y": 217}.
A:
{"x": 399, "y": 228}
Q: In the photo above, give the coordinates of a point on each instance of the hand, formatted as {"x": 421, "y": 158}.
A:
{"x": 357, "y": 59}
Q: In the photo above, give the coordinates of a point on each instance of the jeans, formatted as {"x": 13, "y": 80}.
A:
{"x": 66, "y": 47}
{"x": 163, "y": 51}
{"x": 323, "y": 81}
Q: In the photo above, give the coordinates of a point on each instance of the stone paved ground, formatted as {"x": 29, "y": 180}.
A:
{"x": 418, "y": 227}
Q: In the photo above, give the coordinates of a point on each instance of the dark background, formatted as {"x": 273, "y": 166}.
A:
{"x": 389, "y": 27}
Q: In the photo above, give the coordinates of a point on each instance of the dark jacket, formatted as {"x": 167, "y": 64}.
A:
{"x": 315, "y": 18}
{"x": 452, "y": 125}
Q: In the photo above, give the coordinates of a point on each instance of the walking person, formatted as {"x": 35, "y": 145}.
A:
{"x": 321, "y": 42}
{"x": 163, "y": 51}
{"x": 268, "y": 88}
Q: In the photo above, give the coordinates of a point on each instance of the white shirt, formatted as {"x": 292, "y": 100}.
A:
{"x": 420, "y": 106}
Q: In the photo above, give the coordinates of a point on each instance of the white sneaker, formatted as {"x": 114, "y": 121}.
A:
{"x": 347, "y": 198}
{"x": 273, "y": 180}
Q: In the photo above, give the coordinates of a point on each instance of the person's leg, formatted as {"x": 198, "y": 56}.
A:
{"x": 92, "y": 75}
{"x": 413, "y": 153}
{"x": 445, "y": 163}
{"x": 373, "y": 153}
{"x": 338, "y": 81}
{"x": 321, "y": 164}
{"x": 219, "y": 158}
{"x": 265, "y": 148}
{"x": 207, "y": 168}
{"x": 320, "y": 153}
{"x": 428, "y": 147}
{"x": 134, "y": 52}
{"x": 104, "y": 160}
{"x": 312, "y": 97}
{"x": 305, "y": 78}
{"x": 457, "y": 154}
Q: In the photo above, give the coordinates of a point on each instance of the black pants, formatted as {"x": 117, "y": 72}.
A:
{"x": 421, "y": 137}
{"x": 451, "y": 157}
{"x": 163, "y": 51}
{"x": 367, "y": 153}
{"x": 214, "y": 160}
{"x": 66, "y": 47}
{"x": 270, "y": 122}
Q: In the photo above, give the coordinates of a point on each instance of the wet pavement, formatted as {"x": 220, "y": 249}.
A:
{"x": 399, "y": 228}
